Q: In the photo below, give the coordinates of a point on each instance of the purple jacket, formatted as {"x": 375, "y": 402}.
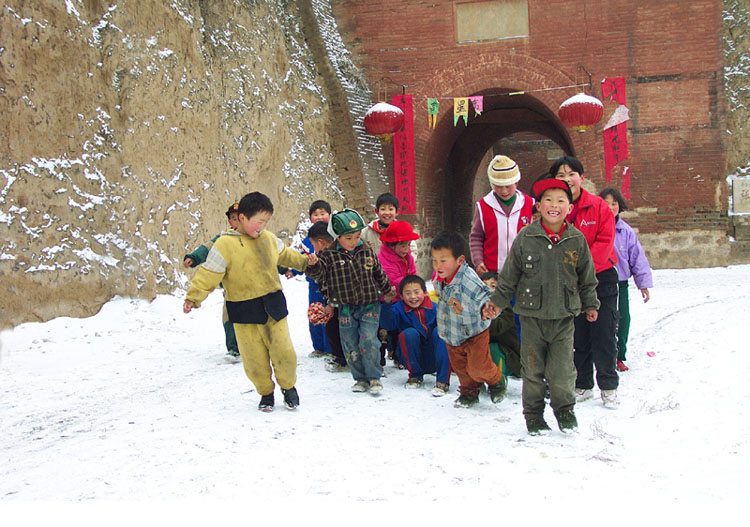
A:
{"x": 631, "y": 260}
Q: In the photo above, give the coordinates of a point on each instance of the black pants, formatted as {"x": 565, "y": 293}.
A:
{"x": 334, "y": 339}
{"x": 595, "y": 343}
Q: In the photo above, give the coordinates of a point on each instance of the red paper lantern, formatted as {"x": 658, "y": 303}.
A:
{"x": 384, "y": 120}
{"x": 581, "y": 111}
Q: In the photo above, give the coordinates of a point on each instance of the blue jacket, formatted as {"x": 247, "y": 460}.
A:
{"x": 459, "y": 311}
{"x": 396, "y": 317}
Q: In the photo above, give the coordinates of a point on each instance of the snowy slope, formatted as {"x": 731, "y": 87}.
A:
{"x": 137, "y": 403}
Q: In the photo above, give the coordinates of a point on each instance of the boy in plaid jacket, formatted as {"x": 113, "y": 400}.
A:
{"x": 352, "y": 280}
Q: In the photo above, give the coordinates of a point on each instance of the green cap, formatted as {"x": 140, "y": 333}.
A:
{"x": 345, "y": 222}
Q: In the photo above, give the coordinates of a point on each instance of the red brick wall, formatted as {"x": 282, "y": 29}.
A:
{"x": 668, "y": 52}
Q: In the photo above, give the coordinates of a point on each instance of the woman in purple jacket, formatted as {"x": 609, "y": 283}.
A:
{"x": 631, "y": 261}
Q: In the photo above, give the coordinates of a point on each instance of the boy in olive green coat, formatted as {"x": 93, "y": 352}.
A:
{"x": 550, "y": 272}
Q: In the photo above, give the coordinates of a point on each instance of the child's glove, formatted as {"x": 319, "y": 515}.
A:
{"x": 317, "y": 315}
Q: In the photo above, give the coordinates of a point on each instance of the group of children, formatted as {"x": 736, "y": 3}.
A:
{"x": 551, "y": 278}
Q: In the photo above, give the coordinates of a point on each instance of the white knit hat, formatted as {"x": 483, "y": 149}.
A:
{"x": 503, "y": 171}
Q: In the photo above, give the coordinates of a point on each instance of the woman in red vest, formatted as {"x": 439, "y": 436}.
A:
{"x": 503, "y": 212}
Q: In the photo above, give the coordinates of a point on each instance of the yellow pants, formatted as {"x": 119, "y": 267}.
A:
{"x": 265, "y": 345}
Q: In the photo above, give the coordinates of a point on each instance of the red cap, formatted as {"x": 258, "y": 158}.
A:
{"x": 399, "y": 231}
{"x": 546, "y": 184}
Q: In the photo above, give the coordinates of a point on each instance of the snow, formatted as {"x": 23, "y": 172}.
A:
{"x": 138, "y": 404}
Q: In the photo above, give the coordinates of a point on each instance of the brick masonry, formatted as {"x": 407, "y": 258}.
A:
{"x": 674, "y": 94}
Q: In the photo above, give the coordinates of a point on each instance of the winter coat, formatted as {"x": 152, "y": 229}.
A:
{"x": 396, "y": 267}
{"x": 459, "y": 311}
{"x": 550, "y": 281}
{"x": 493, "y": 231}
{"x": 350, "y": 278}
{"x": 595, "y": 220}
{"x": 247, "y": 267}
{"x": 631, "y": 259}
{"x": 399, "y": 316}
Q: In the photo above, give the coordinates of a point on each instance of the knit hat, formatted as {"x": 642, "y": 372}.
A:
{"x": 503, "y": 171}
{"x": 399, "y": 231}
{"x": 545, "y": 184}
{"x": 232, "y": 208}
{"x": 345, "y": 222}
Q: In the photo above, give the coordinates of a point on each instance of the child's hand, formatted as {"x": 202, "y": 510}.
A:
{"x": 490, "y": 310}
{"x": 481, "y": 268}
{"x": 289, "y": 274}
{"x": 312, "y": 259}
{"x": 390, "y": 295}
{"x": 646, "y": 296}
{"x": 187, "y": 262}
{"x": 592, "y": 315}
{"x": 329, "y": 310}
{"x": 188, "y": 306}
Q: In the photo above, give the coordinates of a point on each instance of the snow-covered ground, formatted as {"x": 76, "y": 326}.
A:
{"x": 137, "y": 403}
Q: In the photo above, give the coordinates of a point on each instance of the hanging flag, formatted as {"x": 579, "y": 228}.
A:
{"x": 461, "y": 109}
{"x": 616, "y": 131}
{"x": 433, "y": 106}
{"x": 477, "y": 101}
{"x": 404, "y": 169}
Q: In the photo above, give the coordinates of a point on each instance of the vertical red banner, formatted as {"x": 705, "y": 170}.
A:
{"x": 403, "y": 158}
{"x": 615, "y": 137}
{"x": 615, "y": 147}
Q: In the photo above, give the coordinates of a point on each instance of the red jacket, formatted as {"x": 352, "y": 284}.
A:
{"x": 595, "y": 220}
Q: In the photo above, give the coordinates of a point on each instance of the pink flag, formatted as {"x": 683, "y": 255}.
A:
{"x": 477, "y": 101}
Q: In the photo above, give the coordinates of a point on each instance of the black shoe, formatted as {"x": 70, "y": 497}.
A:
{"x": 291, "y": 398}
{"x": 266, "y": 403}
{"x": 566, "y": 420}
{"x": 498, "y": 391}
{"x": 537, "y": 426}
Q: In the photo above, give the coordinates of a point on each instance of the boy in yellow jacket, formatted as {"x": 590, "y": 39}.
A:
{"x": 245, "y": 262}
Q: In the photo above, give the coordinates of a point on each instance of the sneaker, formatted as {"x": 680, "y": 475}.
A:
{"x": 413, "y": 382}
{"x": 335, "y": 367}
{"x": 361, "y": 386}
{"x": 466, "y": 401}
{"x": 584, "y": 394}
{"x": 609, "y": 398}
{"x": 232, "y": 356}
{"x": 537, "y": 426}
{"x": 291, "y": 398}
{"x": 566, "y": 420}
{"x": 318, "y": 353}
{"x": 440, "y": 389}
{"x": 376, "y": 386}
{"x": 621, "y": 366}
{"x": 266, "y": 403}
{"x": 498, "y": 391}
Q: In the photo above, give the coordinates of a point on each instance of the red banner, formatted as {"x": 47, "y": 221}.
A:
{"x": 615, "y": 88}
{"x": 403, "y": 158}
{"x": 625, "y": 183}
{"x": 615, "y": 147}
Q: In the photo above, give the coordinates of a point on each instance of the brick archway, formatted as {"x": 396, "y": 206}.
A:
{"x": 448, "y": 156}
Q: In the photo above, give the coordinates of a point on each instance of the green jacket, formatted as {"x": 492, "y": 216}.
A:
{"x": 199, "y": 255}
{"x": 550, "y": 281}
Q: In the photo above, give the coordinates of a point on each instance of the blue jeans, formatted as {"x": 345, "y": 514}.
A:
{"x": 358, "y": 328}
{"x": 423, "y": 355}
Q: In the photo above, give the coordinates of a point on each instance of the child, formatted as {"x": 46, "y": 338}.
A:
{"x": 386, "y": 207}
{"x": 320, "y": 211}
{"x": 395, "y": 252}
{"x": 595, "y": 343}
{"x": 499, "y": 216}
{"x": 196, "y": 258}
{"x": 551, "y": 273}
{"x": 460, "y": 322}
{"x": 631, "y": 261}
{"x": 321, "y": 239}
{"x": 503, "y": 335}
{"x": 256, "y": 306}
{"x": 353, "y": 281}
{"x": 419, "y": 346}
